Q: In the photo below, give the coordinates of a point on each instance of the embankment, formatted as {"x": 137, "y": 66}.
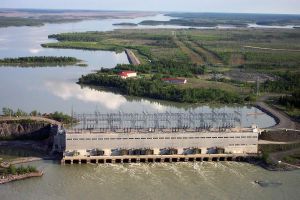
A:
{"x": 280, "y": 136}
{"x": 11, "y": 178}
{"x": 132, "y": 58}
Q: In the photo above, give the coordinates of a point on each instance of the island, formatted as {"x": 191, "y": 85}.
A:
{"x": 125, "y": 24}
{"x": 40, "y": 17}
{"x": 193, "y": 23}
{"x": 40, "y": 61}
{"x": 238, "y": 20}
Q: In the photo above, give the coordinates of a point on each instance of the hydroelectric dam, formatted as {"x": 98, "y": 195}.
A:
{"x": 156, "y": 137}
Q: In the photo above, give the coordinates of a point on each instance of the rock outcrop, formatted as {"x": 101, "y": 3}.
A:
{"x": 24, "y": 129}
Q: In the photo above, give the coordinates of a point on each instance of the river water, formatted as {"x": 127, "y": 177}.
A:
{"x": 222, "y": 180}
{"x": 49, "y": 89}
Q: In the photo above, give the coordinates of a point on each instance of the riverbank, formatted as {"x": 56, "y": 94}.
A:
{"x": 11, "y": 178}
{"x": 15, "y": 161}
{"x": 279, "y": 156}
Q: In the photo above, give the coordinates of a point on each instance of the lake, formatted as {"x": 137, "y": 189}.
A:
{"x": 50, "y": 89}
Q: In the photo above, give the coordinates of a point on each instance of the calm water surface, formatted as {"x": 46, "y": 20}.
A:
{"x": 49, "y": 89}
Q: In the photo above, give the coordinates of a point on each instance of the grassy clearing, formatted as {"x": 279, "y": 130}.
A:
{"x": 203, "y": 47}
{"x": 203, "y": 83}
{"x": 193, "y": 55}
{"x": 210, "y": 57}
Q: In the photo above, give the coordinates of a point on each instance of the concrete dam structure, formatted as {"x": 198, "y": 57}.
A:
{"x": 164, "y": 137}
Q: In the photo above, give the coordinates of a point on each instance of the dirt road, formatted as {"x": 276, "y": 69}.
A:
{"x": 271, "y": 49}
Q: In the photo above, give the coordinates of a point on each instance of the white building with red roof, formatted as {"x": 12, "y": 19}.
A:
{"x": 127, "y": 74}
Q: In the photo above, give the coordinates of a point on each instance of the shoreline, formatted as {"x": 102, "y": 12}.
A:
{"x": 21, "y": 160}
{"x": 283, "y": 167}
{"x": 11, "y": 178}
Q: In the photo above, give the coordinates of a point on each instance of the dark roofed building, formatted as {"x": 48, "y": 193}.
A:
{"x": 175, "y": 80}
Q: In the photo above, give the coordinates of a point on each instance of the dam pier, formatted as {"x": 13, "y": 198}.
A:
{"x": 157, "y": 159}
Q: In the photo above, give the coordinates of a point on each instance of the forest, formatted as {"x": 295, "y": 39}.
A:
{"x": 157, "y": 89}
{"x": 291, "y": 101}
{"x": 39, "y": 61}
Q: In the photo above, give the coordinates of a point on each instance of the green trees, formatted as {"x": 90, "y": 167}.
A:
{"x": 58, "y": 116}
{"x": 288, "y": 82}
{"x": 19, "y": 170}
{"x": 61, "y": 117}
{"x": 9, "y": 112}
{"x": 34, "y": 113}
{"x": 39, "y": 60}
{"x": 166, "y": 68}
{"x": 157, "y": 89}
{"x": 292, "y": 101}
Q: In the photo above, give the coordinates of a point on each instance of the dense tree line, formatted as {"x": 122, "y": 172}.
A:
{"x": 291, "y": 101}
{"x": 33, "y": 21}
{"x": 39, "y": 59}
{"x": 12, "y": 170}
{"x": 18, "y": 113}
{"x": 169, "y": 69}
{"x": 61, "y": 117}
{"x": 18, "y": 21}
{"x": 157, "y": 89}
{"x": 58, "y": 116}
{"x": 79, "y": 37}
{"x": 288, "y": 82}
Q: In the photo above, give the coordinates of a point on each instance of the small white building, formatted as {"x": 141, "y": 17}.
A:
{"x": 127, "y": 74}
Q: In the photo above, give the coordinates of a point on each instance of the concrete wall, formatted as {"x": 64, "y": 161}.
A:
{"x": 233, "y": 142}
{"x": 59, "y": 140}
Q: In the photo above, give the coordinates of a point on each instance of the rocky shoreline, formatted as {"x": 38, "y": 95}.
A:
{"x": 11, "y": 178}
{"x": 20, "y": 161}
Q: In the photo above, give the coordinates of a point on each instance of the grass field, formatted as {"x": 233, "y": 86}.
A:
{"x": 203, "y": 47}
{"x": 227, "y": 52}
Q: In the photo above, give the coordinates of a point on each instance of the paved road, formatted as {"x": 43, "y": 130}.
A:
{"x": 51, "y": 121}
{"x": 283, "y": 120}
{"x": 132, "y": 57}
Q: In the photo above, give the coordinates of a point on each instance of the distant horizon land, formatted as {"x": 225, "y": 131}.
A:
{"x": 162, "y": 12}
